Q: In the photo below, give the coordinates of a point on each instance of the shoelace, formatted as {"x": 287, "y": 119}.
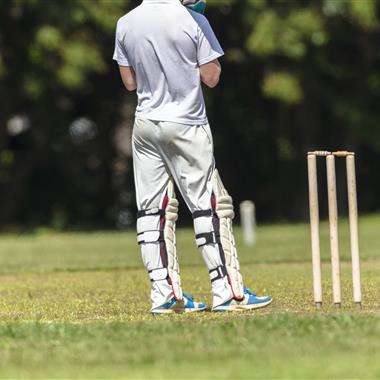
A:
{"x": 247, "y": 291}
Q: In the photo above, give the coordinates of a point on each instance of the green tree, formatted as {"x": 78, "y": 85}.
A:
{"x": 297, "y": 75}
{"x": 55, "y": 67}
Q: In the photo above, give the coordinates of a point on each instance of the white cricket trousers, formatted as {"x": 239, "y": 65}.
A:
{"x": 184, "y": 152}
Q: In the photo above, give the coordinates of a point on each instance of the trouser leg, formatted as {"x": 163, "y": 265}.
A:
{"x": 156, "y": 216}
{"x": 188, "y": 154}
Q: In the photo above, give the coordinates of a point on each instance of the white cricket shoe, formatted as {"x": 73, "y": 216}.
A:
{"x": 250, "y": 301}
{"x": 188, "y": 305}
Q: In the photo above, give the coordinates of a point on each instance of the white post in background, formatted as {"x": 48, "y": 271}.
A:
{"x": 248, "y": 222}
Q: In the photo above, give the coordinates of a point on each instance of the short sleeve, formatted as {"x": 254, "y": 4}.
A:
{"x": 120, "y": 53}
{"x": 208, "y": 45}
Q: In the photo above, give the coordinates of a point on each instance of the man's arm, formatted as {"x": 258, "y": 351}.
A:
{"x": 210, "y": 73}
{"x": 208, "y": 52}
{"x": 128, "y": 77}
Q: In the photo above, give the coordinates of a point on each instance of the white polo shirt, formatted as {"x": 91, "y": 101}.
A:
{"x": 165, "y": 43}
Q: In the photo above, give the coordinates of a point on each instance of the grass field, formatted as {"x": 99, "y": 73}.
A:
{"x": 77, "y": 305}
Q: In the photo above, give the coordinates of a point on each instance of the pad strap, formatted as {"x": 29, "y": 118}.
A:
{"x": 207, "y": 238}
{"x": 150, "y": 212}
{"x": 150, "y": 237}
{"x": 200, "y": 213}
{"x": 158, "y": 274}
{"x": 218, "y": 273}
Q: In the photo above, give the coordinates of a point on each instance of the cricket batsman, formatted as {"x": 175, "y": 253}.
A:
{"x": 165, "y": 49}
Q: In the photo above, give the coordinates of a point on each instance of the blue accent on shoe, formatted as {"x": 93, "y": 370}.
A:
{"x": 168, "y": 305}
{"x": 250, "y": 301}
{"x": 253, "y": 299}
{"x": 190, "y": 301}
{"x": 227, "y": 303}
{"x": 189, "y": 304}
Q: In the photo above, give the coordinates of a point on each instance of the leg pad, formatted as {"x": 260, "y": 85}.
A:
{"x": 157, "y": 226}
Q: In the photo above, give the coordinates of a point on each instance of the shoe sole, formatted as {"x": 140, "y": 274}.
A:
{"x": 195, "y": 310}
{"x": 242, "y": 307}
{"x": 178, "y": 311}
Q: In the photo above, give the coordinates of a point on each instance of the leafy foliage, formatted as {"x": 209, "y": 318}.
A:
{"x": 296, "y": 76}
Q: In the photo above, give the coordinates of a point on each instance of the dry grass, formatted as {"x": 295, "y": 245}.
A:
{"x": 77, "y": 305}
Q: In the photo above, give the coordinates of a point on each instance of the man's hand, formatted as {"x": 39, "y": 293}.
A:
{"x": 210, "y": 73}
{"x": 129, "y": 78}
